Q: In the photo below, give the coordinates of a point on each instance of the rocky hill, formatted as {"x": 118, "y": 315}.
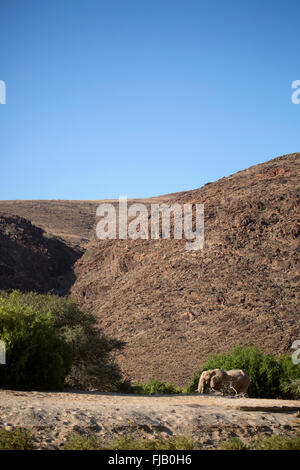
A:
{"x": 30, "y": 259}
{"x": 72, "y": 222}
{"x": 174, "y": 308}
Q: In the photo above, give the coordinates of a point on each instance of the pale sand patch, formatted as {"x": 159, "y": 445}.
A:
{"x": 52, "y": 417}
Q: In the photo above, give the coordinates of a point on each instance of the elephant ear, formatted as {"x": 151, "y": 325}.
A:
{"x": 215, "y": 380}
{"x": 212, "y": 373}
{"x": 209, "y": 372}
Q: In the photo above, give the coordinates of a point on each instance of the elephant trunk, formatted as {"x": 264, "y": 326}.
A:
{"x": 201, "y": 386}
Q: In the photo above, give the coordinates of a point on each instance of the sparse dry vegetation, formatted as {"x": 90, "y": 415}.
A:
{"x": 22, "y": 439}
{"x": 18, "y": 439}
{"x": 275, "y": 442}
{"x": 78, "y": 442}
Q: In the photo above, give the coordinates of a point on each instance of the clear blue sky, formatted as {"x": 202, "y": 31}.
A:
{"x": 140, "y": 97}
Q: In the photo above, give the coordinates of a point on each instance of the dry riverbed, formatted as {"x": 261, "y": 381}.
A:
{"x": 53, "y": 417}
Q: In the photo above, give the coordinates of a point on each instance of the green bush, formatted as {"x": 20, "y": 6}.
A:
{"x": 290, "y": 390}
{"x": 92, "y": 366}
{"x": 19, "y": 439}
{"x": 267, "y": 373}
{"x": 78, "y": 442}
{"x": 36, "y": 356}
{"x": 155, "y": 387}
{"x": 162, "y": 443}
{"x": 233, "y": 444}
{"x": 275, "y": 442}
{"x": 278, "y": 443}
{"x": 290, "y": 381}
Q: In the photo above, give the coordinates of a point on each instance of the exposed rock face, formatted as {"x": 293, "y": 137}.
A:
{"x": 174, "y": 308}
{"x": 29, "y": 260}
{"x": 70, "y": 221}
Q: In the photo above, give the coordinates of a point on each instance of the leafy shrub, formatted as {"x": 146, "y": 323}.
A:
{"x": 275, "y": 442}
{"x": 92, "y": 366}
{"x": 155, "y": 387}
{"x": 19, "y": 439}
{"x": 290, "y": 381}
{"x": 278, "y": 443}
{"x": 233, "y": 444}
{"x": 130, "y": 443}
{"x": 167, "y": 443}
{"x": 125, "y": 386}
{"x": 267, "y": 373}
{"x": 77, "y": 442}
{"x": 290, "y": 390}
{"x": 36, "y": 356}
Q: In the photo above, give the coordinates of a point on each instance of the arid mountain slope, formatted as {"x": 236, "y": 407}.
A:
{"x": 174, "y": 308}
{"x": 72, "y": 222}
{"x": 30, "y": 260}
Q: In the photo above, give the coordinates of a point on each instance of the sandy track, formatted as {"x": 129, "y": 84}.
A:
{"x": 52, "y": 417}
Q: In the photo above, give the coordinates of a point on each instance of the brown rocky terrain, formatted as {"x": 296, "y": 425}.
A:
{"x": 30, "y": 260}
{"x": 174, "y": 308}
{"x": 70, "y": 221}
{"x": 41, "y": 240}
{"x": 73, "y": 222}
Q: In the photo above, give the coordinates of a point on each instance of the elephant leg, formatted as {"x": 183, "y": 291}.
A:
{"x": 244, "y": 388}
{"x": 201, "y": 385}
{"x": 231, "y": 387}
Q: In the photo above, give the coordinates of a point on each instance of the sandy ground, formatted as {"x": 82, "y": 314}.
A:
{"x": 52, "y": 417}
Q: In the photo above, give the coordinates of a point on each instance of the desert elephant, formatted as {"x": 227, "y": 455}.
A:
{"x": 235, "y": 380}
